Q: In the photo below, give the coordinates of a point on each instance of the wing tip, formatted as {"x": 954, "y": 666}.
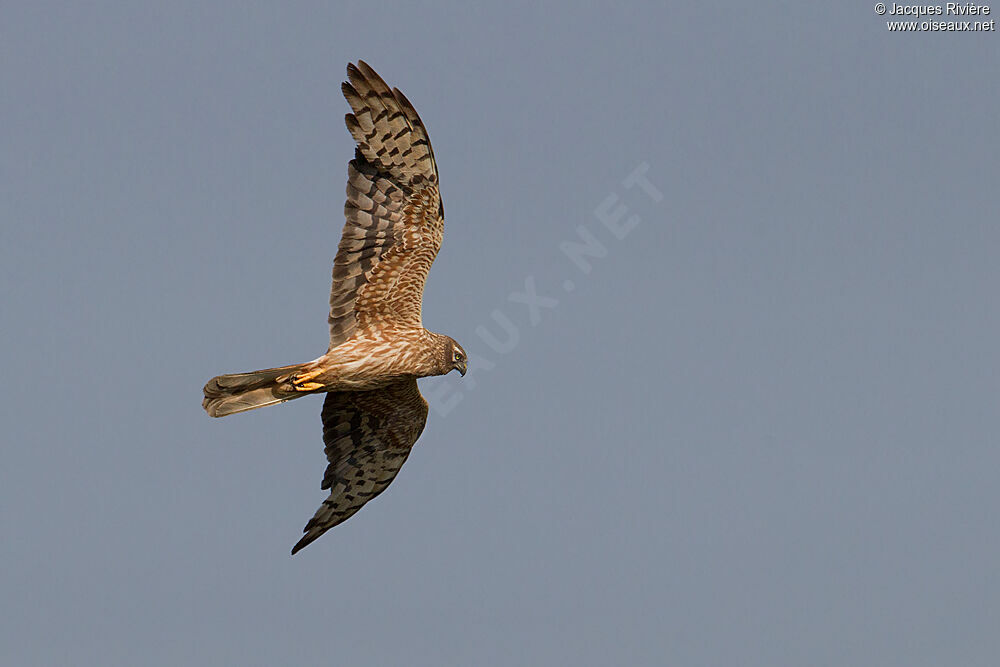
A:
{"x": 303, "y": 543}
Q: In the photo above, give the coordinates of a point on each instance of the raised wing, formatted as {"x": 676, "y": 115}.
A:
{"x": 368, "y": 436}
{"x": 394, "y": 217}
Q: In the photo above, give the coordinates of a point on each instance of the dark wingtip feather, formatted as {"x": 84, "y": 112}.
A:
{"x": 368, "y": 71}
{"x": 303, "y": 543}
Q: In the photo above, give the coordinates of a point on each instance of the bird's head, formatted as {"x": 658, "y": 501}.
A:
{"x": 454, "y": 357}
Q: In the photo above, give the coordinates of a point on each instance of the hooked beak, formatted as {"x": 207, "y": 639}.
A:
{"x": 461, "y": 367}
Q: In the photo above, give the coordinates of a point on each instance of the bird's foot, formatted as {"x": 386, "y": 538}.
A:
{"x": 303, "y": 381}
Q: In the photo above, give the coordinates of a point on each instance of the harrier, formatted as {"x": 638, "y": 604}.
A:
{"x": 373, "y": 412}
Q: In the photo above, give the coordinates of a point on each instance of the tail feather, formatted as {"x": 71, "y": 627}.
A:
{"x": 239, "y": 392}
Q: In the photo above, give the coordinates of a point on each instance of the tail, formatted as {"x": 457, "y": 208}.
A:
{"x": 239, "y": 392}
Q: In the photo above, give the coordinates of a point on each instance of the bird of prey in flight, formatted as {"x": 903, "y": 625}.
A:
{"x": 373, "y": 412}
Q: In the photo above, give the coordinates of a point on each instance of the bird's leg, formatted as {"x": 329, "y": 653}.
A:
{"x": 302, "y": 381}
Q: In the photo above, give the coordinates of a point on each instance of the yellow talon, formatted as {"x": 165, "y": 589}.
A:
{"x": 309, "y": 386}
{"x": 302, "y": 382}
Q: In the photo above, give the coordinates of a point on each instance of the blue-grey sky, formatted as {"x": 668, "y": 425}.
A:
{"x": 758, "y": 425}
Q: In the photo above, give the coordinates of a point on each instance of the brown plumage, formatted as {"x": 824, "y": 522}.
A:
{"x": 373, "y": 413}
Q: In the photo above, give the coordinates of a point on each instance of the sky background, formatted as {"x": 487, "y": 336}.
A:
{"x": 760, "y": 429}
